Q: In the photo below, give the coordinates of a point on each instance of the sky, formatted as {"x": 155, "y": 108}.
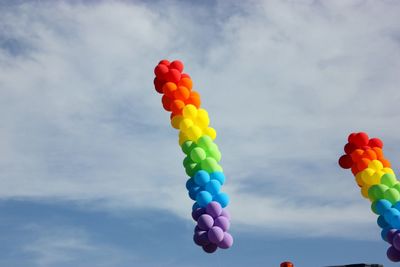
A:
{"x": 90, "y": 168}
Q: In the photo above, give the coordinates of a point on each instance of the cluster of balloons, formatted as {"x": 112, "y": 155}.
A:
{"x": 378, "y": 183}
{"x": 201, "y": 163}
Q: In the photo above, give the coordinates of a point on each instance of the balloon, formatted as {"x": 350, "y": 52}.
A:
{"x": 210, "y": 165}
{"x": 377, "y": 191}
{"x": 169, "y": 89}
{"x": 158, "y": 84}
{"x": 356, "y": 155}
{"x": 382, "y": 222}
{"x": 203, "y": 198}
{"x": 194, "y": 192}
{"x": 164, "y": 62}
{"x": 393, "y": 254}
{"x": 222, "y": 198}
{"x": 226, "y": 242}
{"x": 226, "y": 214}
{"x": 388, "y": 179}
{"x": 350, "y": 138}
{"x": 205, "y": 142}
{"x": 205, "y": 222}
{"x": 384, "y": 233}
{"x": 190, "y": 112}
{"x": 387, "y": 170}
{"x": 222, "y": 222}
{"x": 201, "y": 178}
{"x": 195, "y": 206}
{"x": 173, "y": 75}
{"x": 188, "y": 146}
{"x": 375, "y": 165}
{"x": 187, "y": 161}
{"x": 194, "y": 99}
{"x": 382, "y": 206}
{"x": 375, "y": 142}
{"x": 194, "y": 132}
{"x": 190, "y": 184}
{"x": 389, "y": 214}
{"x": 214, "y": 153}
{"x": 177, "y": 106}
{"x": 200, "y": 238}
{"x": 391, "y": 234}
{"x": 175, "y": 121}
{"x": 197, "y": 213}
{"x": 210, "y": 248}
{"x": 361, "y": 139}
{"x": 185, "y": 124}
{"x": 191, "y": 169}
{"x": 364, "y": 191}
{"x": 215, "y": 234}
{"x": 166, "y": 102}
{"x": 219, "y": 176}
{"x": 161, "y": 71}
{"x": 345, "y": 162}
{"x": 210, "y": 132}
{"x": 392, "y": 195}
{"x": 213, "y": 187}
{"x": 214, "y": 209}
{"x": 202, "y": 119}
{"x": 363, "y": 163}
{"x": 186, "y": 82}
{"x": 349, "y": 148}
{"x": 176, "y": 64}
{"x": 182, "y": 93}
{"x": 198, "y": 154}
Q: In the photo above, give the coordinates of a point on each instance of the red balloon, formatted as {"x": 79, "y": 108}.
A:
{"x": 349, "y": 148}
{"x": 176, "y": 64}
{"x": 351, "y": 137}
{"x": 361, "y": 139}
{"x": 164, "y": 62}
{"x": 185, "y": 75}
{"x": 173, "y": 76}
{"x": 345, "y": 162}
{"x": 158, "y": 84}
{"x": 166, "y": 102}
{"x": 375, "y": 142}
{"x": 161, "y": 71}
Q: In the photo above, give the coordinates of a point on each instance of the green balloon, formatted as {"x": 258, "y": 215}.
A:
{"x": 388, "y": 179}
{"x": 187, "y": 161}
{"x": 198, "y": 154}
{"x": 396, "y": 186}
{"x": 205, "y": 142}
{"x": 210, "y": 165}
{"x": 214, "y": 153}
{"x": 373, "y": 208}
{"x": 392, "y": 195}
{"x": 377, "y": 191}
{"x": 187, "y": 146}
{"x": 191, "y": 169}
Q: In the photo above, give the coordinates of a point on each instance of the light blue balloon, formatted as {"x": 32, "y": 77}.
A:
{"x": 201, "y": 178}
{"x": 213, "y": 187}
{"x": 382, "y": 205}
{"x": 203, "y": 198}
{"x": 218, "y": 176}
{"x": 193, "y": 193}
{"x": 222, "y": 198}
{"x": 389, "y": 214}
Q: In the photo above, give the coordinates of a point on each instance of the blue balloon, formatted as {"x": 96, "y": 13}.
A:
{"x": 382, "y": 222}
{"x": 201, "y": 178}
{"x": 395, "y": 222}
{"x": 222, "y": 198}
{"x": 195, "y": 206}
{"x": 219, "y": 176}
{"x": 397, "y": 205}
{"x": 213, "y": 187}
{"x": 382, "y": 205}
{"x": 384, "y": 233}
{"x": 193, "y": 193}
{"x": 203, "y": 198}
{"x": 190, "y": 184}
{"x": 390, "y": 214}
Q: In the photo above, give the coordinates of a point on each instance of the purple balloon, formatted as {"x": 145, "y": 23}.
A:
{"x": 393, "y": 254}
{"x": 205, "y": 222}
{"x": 197, "y": 229}
{"x": 215, "y": 234}
{"x": 390, "y": 235}
{"x": 222, "y": 222}
{"x": 226, "y": 214}
{"x": 214, "y": 209}
{"x": 210, "y": 248}
{"x": 201, "y": 238}
{"x": 197, "y": 213}
{"x": 227, "y": 242}
{"x": 396, "y": 241}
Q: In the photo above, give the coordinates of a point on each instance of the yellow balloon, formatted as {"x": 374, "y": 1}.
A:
{"x": 185, "y": 124}
{"x": 366, "y": 176}
{"x": 182, "y": 138}
{"x": 194, "y": 133}
{"x": 376, "y": 177}
{"x": 364, "y": 191}
{"x": 189, "y": 111}
{"x": 202, "y": 119}
{"x": 375, "y": 165}
{"x": 359, "y": 180}
{"x": 210, "y": 132}
{"x": 388, "y": 170}
{"x": 176, "y": 120}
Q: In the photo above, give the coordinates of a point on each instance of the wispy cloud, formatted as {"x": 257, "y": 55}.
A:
{"x": 283, "y": 81}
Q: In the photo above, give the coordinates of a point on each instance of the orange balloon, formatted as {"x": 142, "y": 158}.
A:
{"x": 385, "y": 163}
{"x": 194, "y": 99}
{"x": 177, "y": 106}
{"x": 182, "y": 93}
{"x": 166, "y": 102}
{"x": 363, "y": 164}
{"x": 370, "y": 154}
{"x": 378, "y": 152}
{"x": 356, "y": 155}
{"x": 169, "y": 89}
{"x": 187, "y": 82}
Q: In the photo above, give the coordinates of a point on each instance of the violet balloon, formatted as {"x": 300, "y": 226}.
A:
{"x": 396, "y": 241}
{"x": 197, "y": 213}
{"x": 226, "y": 242}
{"x": 222, "y": 222}
{"x": 215, "y": 234}
{"x": 393, "y": 254}
{"x": 214, "y": 209}
{"x": 390, "y": 235}
{"x": 210, "y": 248}
{"x": 201, "y": 238}
{"x": 226, "y": 214}
{"x": 205, "y": 222}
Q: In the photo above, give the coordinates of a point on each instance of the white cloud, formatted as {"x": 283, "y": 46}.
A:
{"x": 284, "y": 83}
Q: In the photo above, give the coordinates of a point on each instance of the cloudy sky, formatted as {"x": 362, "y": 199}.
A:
{"x": 91, "y": 171}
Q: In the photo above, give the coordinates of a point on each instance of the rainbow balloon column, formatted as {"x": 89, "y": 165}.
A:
{"x": 202, "y": 156}
{"x": 378, "y": 183}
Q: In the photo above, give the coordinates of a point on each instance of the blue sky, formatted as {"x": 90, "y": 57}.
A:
{"x": 91, "y": 172}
